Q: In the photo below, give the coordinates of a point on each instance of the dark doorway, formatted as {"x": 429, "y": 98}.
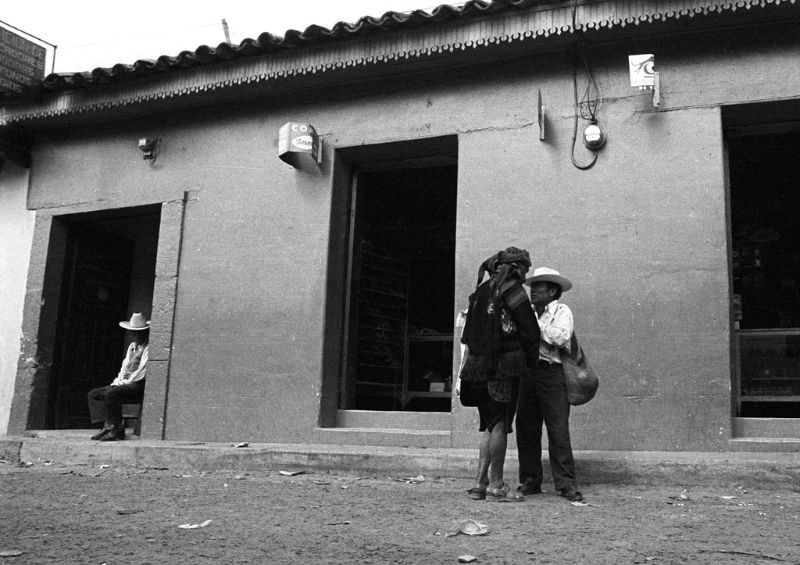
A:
{"x": 109, "y": 270}
{"x": 401, "y": 292}
{"x": 765, "y": 237}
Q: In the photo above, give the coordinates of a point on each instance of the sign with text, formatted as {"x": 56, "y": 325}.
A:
{"x": 21, "y": 61}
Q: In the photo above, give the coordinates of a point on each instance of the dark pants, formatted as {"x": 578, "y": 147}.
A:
{"x": 543, "y": 399}
{"x": 105, "y": 403}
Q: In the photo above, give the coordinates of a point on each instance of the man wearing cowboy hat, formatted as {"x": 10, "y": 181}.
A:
{"x": 105, "y": 403}
{"x": 543, "y": 395}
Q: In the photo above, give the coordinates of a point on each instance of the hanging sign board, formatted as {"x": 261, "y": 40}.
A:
{"x": 21, "y": 62}
{"x": 299, "y": 145}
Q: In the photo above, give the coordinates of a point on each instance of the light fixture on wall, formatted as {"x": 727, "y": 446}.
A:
{"x": 643, "y": 74}
{"x": 149, "y": 148}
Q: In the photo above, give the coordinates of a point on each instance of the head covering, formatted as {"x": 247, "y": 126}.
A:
{"x": 137, "y": 322}
{"x": 512, "y": 262}
{"x": 546, "y": 274}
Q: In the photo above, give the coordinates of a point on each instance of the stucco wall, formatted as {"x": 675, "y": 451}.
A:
{"x": 16, "y": 233}
{"x": 643, "y": 234}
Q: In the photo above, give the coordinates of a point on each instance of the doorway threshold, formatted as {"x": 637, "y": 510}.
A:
{"x": 766, "y": 434}
{"x": 388, "y": 428}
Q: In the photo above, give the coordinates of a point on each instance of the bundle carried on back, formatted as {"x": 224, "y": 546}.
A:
{"x": 489, "y": 332}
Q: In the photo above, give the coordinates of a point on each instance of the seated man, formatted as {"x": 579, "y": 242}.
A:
{"x": 105, "y": 403}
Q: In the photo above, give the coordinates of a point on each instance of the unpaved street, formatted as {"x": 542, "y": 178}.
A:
{"x": 94, "y": 515}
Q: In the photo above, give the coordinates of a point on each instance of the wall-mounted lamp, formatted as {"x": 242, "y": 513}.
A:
{"x": 299, "y": 145}
{"x": 149, "y": 148}
{"x": 644, "y": 76}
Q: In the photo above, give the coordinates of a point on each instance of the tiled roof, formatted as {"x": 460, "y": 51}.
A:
{"x": 476, "y": 23}
{"x": 267, "y": 43}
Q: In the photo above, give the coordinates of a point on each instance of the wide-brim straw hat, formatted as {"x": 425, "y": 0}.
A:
{"x": 546, "y": 274}
{"x": 136, "y": 323}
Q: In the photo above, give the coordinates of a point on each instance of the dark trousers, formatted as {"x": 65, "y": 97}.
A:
{"x": 105, "y": 402}
{"x": 543, "y": 399}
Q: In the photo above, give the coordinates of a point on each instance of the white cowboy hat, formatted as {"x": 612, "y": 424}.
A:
{"x": 136, "y": 322}
{"x": 546, "y": 274}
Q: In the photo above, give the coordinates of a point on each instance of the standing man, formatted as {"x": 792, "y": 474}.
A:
{"x": 543, "y": 393}
{"x": 105, "y": 402}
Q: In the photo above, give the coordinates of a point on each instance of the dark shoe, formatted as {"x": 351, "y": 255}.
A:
{"x": 529, "y": 488}
{"x": 101, "y": 434}
{"x": 476, "y": 493}
{"x": 571, "y": 494}
{"x": 115, "y": 434}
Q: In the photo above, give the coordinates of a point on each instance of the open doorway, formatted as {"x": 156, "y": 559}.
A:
{"x": 765, "y": 239}
{"x": 399, "y": 346}
{"x": 108, "y": 272}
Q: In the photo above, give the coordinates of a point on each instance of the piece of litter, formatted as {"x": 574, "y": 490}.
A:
{"x": 194, "y": 526}
{"x": 239, "y": 477}
{"x": 10, "y": 553}
{"x": 125, "y": 511}
{"x": 469, "y": 527}
{"x": 241, "y": 444}
{"x": 291, "y": 473}
{"x": 467, "y": 558}
{"x": 105, "y": 466}
{"x": 409, "y": 480}
{"x": 579, "y": 503}
{"x": 727, "y": 497}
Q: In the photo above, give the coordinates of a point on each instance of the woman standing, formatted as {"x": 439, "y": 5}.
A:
{"x": 502, "y": 343}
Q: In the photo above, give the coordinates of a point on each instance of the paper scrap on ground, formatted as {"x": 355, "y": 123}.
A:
{"x": 194, "y": 526}
{"x": 467, "y": 558}
{"x": 409, "y": 480}
{"x": 10, "y": 553}
{"x": 291, "y": 473}
{"x": 241, "y": 444}
{"x": 469, "y": 527}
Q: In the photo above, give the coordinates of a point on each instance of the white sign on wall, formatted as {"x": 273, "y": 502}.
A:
{"x": 643, "y": 70}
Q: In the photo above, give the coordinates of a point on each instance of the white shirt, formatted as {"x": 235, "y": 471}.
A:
{"x": 556, "y": 325}
{"x": 134, "y": 366}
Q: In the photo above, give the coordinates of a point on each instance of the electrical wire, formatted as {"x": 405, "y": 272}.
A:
{"x": 591, "y": 108}
{"x": 587, "y": 107}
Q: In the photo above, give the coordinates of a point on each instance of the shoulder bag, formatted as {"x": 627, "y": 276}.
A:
{"x": 582, "y": 382}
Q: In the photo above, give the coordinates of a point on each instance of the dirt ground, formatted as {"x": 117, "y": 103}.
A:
{"x": 115, "y": 515}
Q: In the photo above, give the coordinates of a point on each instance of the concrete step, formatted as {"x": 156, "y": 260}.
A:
{"x": 773, "y": 469}
{"x": 383, "y": 436}
{"x": 765, "y": 444}
{"x": 773, "y": 428}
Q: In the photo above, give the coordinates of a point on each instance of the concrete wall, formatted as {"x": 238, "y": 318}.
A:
{"x": 643, "y": 234}
{"x": 16, "y": 233}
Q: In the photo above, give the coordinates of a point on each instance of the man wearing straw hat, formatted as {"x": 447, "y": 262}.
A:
{"x": 105, "y": 402}
{"x": 543, "y": 394}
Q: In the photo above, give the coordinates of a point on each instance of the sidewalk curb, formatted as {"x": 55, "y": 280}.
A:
{"x": 754, "y": 470}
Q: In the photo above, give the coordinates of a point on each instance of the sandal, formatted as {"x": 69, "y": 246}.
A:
{"x": 476, "y": 493}
{"x": 503, "y": 494}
